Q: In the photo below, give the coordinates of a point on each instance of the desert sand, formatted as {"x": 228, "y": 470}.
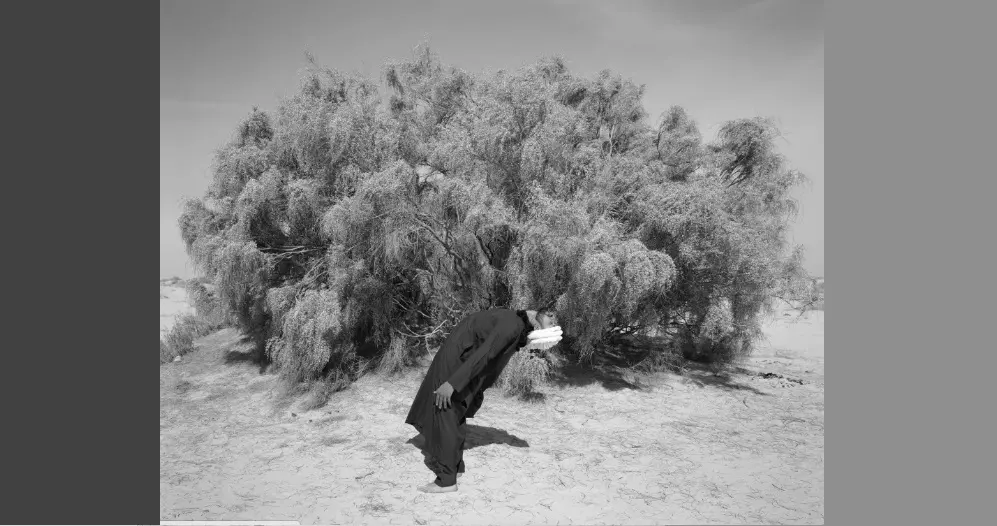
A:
{"x": 689, "y": 448}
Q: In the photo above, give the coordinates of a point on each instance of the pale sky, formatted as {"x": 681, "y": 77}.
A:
{"x": 719, "y": 59}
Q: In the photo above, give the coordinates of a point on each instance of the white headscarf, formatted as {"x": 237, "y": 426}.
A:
{"x": 543, "y": 339}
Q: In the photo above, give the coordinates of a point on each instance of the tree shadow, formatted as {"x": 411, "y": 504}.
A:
{"x": 618, "y": 366}
{"x": 723, "y": 381}
{"x": 368, "y": 351}
{"x": 581, "y": 375}
{"x": 236, "y": 357}
{"x": 248, "y": 351}
{"x": 477, "y": 436}
{"x": 631, "y": 359}
{"x": 532, "y": 397}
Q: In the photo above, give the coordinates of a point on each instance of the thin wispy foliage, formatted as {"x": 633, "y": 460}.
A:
{"x": 361, "y": 220}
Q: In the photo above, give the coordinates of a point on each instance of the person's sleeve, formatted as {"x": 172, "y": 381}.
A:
{"x": 500, "y": 338}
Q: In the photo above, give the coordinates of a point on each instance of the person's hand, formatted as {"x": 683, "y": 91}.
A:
{"x": 443, "y": 395}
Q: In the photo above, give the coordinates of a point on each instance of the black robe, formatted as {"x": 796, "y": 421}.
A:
{"x": 471, "y": 359}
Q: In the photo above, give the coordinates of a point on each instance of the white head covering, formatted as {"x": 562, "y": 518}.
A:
{"x": 543, "y": 339}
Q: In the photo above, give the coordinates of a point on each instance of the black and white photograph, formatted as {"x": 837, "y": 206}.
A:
{"x": 473, "y": 262}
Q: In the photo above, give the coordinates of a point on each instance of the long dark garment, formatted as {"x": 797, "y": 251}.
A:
{"x": 471, "y": 359}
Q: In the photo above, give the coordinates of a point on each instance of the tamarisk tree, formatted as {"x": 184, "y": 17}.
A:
{"x": 359, "y": 223}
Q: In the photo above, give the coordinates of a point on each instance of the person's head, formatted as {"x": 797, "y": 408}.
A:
{"x": 546, "y": 318}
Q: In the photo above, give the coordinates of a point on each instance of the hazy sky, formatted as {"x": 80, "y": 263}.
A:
{"x": 718, "y": 59}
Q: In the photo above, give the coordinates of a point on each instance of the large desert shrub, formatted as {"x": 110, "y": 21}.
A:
{"x": 351, "y": 224}
{"x": 207, "y": 307}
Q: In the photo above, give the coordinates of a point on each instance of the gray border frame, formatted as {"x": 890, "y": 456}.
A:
{"x": 80, "y": 390}
{"x": 87, "y": 455}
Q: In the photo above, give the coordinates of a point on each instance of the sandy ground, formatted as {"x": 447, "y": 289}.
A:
{"x": 689, "y": 449}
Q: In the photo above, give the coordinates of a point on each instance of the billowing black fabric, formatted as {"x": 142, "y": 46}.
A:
{"x": 471, "y": 359}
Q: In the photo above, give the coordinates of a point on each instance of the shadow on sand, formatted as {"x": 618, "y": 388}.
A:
{"x": 723, "y": 381}
{"x": 620, "y": 366}
{"x": 234, "y": 357}
{"x": 242, "y": 349}
{"x": 580, "y": 375}
{"x": 634, "y": 362}
{"x": 477, "y": 436}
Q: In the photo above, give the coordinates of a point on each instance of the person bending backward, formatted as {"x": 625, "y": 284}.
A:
{"x": 469, "y": 362}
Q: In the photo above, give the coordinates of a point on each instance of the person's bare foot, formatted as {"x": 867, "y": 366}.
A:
{"x": 433, "y": 488}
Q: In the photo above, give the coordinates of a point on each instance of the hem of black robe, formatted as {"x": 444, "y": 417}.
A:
{"x": 417, "y": 427}
{"x": 439, "y": 482}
